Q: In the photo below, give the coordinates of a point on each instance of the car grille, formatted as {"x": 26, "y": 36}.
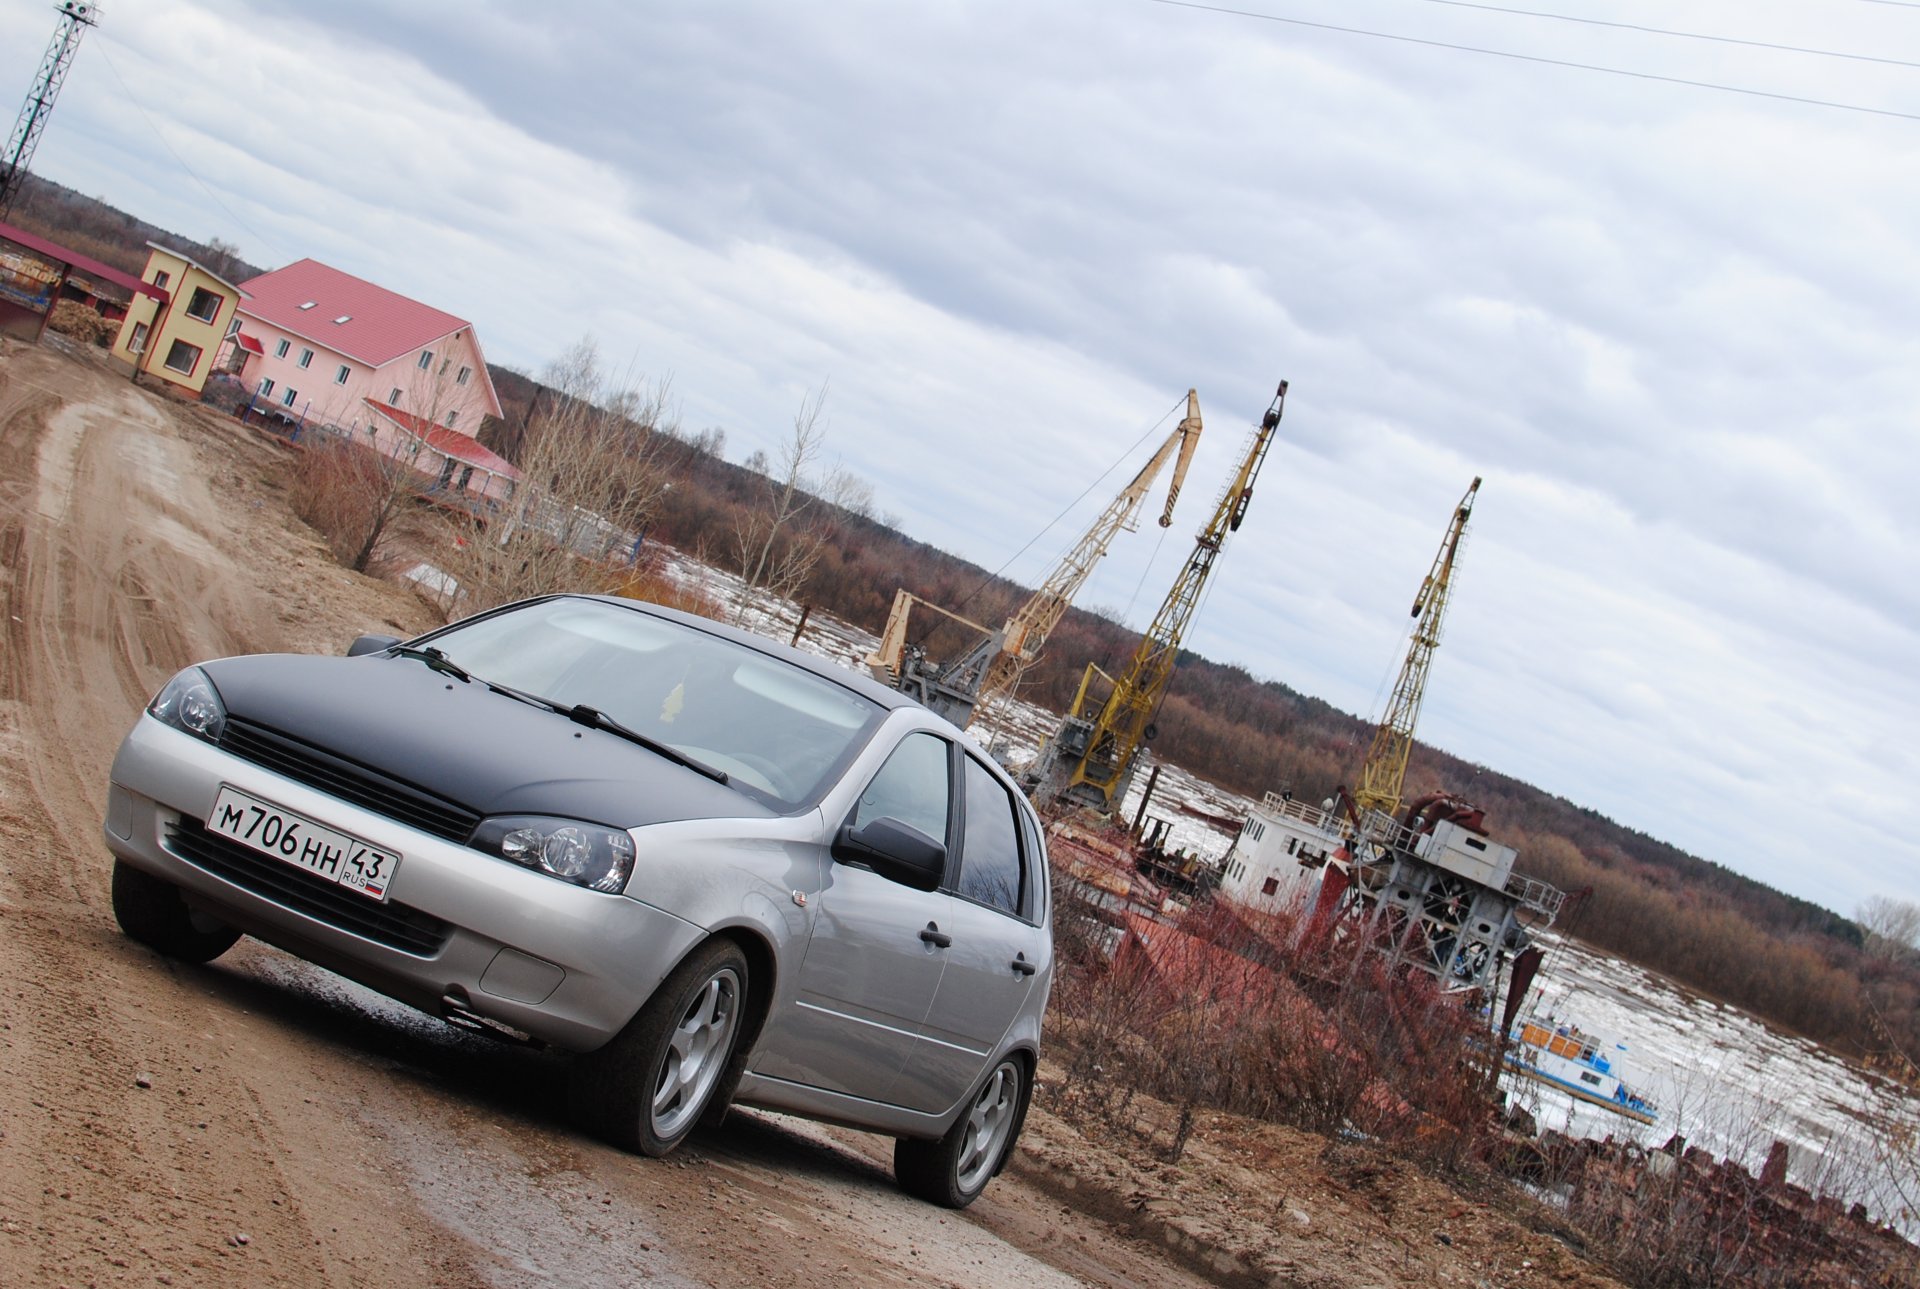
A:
{"x": 395, "y": 925}
{"x": 349, "y": 781}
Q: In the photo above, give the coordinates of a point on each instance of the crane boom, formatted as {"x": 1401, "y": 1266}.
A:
{"x": 1385, "y": 771}
{"x": 1090, "y": 759}
{"x": 996, "y": 661}
{"x": 1027, "y": 630}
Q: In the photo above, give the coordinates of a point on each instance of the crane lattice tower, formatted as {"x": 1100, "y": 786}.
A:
{"x": 75, "y": 17}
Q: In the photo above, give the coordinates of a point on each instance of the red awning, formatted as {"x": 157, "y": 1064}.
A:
{"x": 248, "y": 343}
{"x": 74, "y": 259}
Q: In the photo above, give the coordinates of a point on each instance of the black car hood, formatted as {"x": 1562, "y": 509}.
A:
{"x": 464, "y": 742}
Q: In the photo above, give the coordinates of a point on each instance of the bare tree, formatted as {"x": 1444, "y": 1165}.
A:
{"x": 779, "y": 540}
{"x": 363, "y": 469}
{"x": 1892, "y": 926}
{"x": 590, "y": 477}
{"x": 223, "y": 257}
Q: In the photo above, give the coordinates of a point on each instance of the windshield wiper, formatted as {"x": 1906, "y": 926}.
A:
{"x": 581, "y": 714}
{"x": 434, "y": 658}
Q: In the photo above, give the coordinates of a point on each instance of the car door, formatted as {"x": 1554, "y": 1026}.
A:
{"x": 873, "y": 961}
{"x": 996, "y": 945}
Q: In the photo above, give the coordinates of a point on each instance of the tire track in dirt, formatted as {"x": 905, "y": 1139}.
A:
{"x": 141, "y": 1149}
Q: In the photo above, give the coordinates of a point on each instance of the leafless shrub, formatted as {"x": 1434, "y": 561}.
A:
{"x": 350, "y": 495}
{"x": 650, "y": 584}
{"x": 588, "y": 487}
{"x": 1210, "y": 1014}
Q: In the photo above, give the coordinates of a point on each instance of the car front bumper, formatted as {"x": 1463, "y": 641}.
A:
{"x": 462, "y": 934}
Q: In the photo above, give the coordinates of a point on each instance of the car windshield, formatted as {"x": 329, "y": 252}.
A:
{"x": 774, "y": 728}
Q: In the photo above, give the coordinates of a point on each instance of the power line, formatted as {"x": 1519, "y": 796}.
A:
{"x": 1550, "y": 62}
{"x": 1680, "y": 35}
{"x": 182, "y": 160}
{"x": 982, "y": 584}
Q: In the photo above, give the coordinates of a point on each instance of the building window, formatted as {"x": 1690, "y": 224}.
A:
{"x": 340, "y": 377}
{"x": 233, "y": 324}
{"x": 161, "y": 277}
{"x": 1271, "y": 885}
{"x": 183, "y": 357}
{"x": 450, "y": 416}
{"x": 204, "y": 305}
{"x": 426, "y": 359}
{"x": 393, "y": 399}
{"x": 308, "y": 305}
{"x": 266, "y": 388}
{"x": 345, "y": 317}
{"x": 306, "y": 357}
{"x": 466, "y": 374}
{"x": 288, "y": 397}
{"x": 137, "y": 343}
{"x": 280, "y": 350}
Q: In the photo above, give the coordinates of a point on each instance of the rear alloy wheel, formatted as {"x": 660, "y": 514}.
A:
{"x": 645, "y": 1090}
{"x": 954, "y": 1170}
{"x": 152, "y": 911}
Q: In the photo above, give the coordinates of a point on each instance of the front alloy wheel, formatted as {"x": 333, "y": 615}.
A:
{"x": 646, "y": 1089}
{"x": 954, "y": 1170}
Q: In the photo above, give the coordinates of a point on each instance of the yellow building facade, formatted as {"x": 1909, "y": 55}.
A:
{"x": 175, "y": 331}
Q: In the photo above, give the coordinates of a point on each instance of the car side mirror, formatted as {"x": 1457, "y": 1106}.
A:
{"x": 897, "y": 851}
{"x": 371, "y": 644}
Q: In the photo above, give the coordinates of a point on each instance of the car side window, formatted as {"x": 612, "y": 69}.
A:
{"x": 991, "y": 869}
{"x": 912, "y": 787}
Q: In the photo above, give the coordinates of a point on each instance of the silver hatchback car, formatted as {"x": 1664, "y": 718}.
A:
{"x": 718, "y": 869}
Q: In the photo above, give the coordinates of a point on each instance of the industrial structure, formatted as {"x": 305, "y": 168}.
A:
{"x": 1423, "y": 886}
{"x": 1385, "y": 768}
{"x": 992, "y": 667}
{"x": 1091, "y": 757}
{"x": 75, "y": 17}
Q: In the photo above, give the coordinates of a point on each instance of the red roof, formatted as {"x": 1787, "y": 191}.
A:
{"x": 379, "y": 325}
{"x": 447, "y": 442}
{"x": 86, "y": 264}
{"x": 248, "y": 343}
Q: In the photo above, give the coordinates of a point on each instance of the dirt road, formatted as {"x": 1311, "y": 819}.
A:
{"x": 258, "y": 1122}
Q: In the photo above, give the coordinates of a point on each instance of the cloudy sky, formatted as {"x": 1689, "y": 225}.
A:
{"x": 1672, "y": 326}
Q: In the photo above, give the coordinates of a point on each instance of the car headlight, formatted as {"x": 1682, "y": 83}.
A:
{"x": 590, "y": 855}
{"x": 189, "y": 702}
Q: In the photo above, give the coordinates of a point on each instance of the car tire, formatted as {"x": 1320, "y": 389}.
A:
{"x": 952, "y": 1171}
{"x": 647, "y": 1088}
{"x": 152, "y": 910}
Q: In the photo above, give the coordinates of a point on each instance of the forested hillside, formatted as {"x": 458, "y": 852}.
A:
{"x": 110, "y": 235}
{"x": 1690, "y": 918}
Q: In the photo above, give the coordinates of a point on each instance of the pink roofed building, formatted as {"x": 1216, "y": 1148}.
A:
{"x": 319, "y": 345}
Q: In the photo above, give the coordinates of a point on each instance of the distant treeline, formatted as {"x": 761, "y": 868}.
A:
{"x": 105, "y": 233}
{"x": 1696, "y": 921}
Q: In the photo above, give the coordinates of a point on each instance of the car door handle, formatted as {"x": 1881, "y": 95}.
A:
{"x": 1021, "y": 965}
{"x": 934, "y": 936}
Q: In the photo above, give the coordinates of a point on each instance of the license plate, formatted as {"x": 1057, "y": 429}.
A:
{"x": 297, "y": 840}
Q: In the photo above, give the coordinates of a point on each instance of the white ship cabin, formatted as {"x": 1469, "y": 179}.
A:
{"x": 1283, "y": 847}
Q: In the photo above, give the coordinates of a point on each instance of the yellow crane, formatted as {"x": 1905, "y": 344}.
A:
{"x": 1385, "y": 770}
{"x": 1090, "y": 759}
{"x": 994, "y": 665}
